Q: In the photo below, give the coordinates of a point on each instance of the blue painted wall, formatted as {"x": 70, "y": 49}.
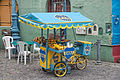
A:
{"x": 116, "y": 22}
{"x": 116, "y": 7}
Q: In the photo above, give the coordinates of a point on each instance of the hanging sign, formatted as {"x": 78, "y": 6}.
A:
{"x": 68, "y": 52}
{"x": 43, "y": 55}
{"x": 63, "y": 17}
{"x": 80, "y": 30}
{"x": 87, "y": 50}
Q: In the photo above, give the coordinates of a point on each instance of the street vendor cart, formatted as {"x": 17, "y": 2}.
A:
{"x": 56, "y": 54}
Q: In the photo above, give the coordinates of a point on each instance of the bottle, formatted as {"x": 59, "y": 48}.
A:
{"x": 68, "y": 44}
{"x": 71, "y": 45}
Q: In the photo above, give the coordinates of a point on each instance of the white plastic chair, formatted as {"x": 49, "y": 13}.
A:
{"x": 35, "y": 48}
{"x": 8, "y": 46}
{"x": 23, "y": 51}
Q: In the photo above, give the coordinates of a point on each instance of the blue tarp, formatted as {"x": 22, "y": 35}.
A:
{"x": 56, "y": 20}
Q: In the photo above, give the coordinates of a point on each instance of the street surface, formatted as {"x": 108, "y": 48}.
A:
{"x": 10, "y": 70}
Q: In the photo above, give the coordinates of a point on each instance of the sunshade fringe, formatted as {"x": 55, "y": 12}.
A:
{"x": 48, "y": 27}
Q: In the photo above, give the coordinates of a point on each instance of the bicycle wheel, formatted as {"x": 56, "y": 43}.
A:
{"x": 60, "y": 69}
{"x": 81, "y": 63}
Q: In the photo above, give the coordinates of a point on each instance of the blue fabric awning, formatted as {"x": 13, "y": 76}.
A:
{"x": 56, "y": 20}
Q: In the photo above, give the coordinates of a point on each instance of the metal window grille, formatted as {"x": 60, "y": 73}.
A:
{"x": 58, "y": 6}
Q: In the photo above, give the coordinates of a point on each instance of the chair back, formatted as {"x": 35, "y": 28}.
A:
{"x": 35, "y": 46}
{"x": 7, "y": 41}
{"x": 22, "y": 46}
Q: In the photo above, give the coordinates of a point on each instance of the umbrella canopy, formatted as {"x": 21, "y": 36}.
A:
{"x": 56, "y": 20}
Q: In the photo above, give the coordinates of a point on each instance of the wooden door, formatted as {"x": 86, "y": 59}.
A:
{"x": 6, "y": 12}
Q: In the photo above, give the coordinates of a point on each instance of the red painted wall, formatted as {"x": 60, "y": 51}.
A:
{"x": 116, "y": 52}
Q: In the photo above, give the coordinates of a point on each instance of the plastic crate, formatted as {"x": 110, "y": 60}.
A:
{"x": 84, "y": 47}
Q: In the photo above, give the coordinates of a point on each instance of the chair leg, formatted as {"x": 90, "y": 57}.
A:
{"x": 24, "y": 59}
{"x": 33, "y": 53}
{"x": 9, "y": 52}
{"x": 18, "y": 59}
{"x": 39, "y": 53}
{"x": 5, "y": 53}
{"x": 21, "y": 58}
{"x": 30, "y": 58}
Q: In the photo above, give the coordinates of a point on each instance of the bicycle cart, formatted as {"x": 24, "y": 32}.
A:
{"x": 56, "y": 54}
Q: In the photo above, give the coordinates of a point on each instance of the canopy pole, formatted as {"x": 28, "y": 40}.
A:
{"x": 74, "y": 34}
{"x": 54, "y": 33}
{"x": 47, "y": 47}
{"x": 60, "y": 35}
{"x": 65, "y": 31}
{"x": 42, "y": 36}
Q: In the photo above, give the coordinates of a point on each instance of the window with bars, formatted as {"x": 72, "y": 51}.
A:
{"x": 58, "y": 6}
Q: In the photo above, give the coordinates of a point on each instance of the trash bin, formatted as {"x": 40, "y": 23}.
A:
{"x": 84, "y": 48}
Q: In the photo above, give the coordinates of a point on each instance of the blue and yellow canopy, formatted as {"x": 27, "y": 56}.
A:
{"x": 56, "y": 20}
